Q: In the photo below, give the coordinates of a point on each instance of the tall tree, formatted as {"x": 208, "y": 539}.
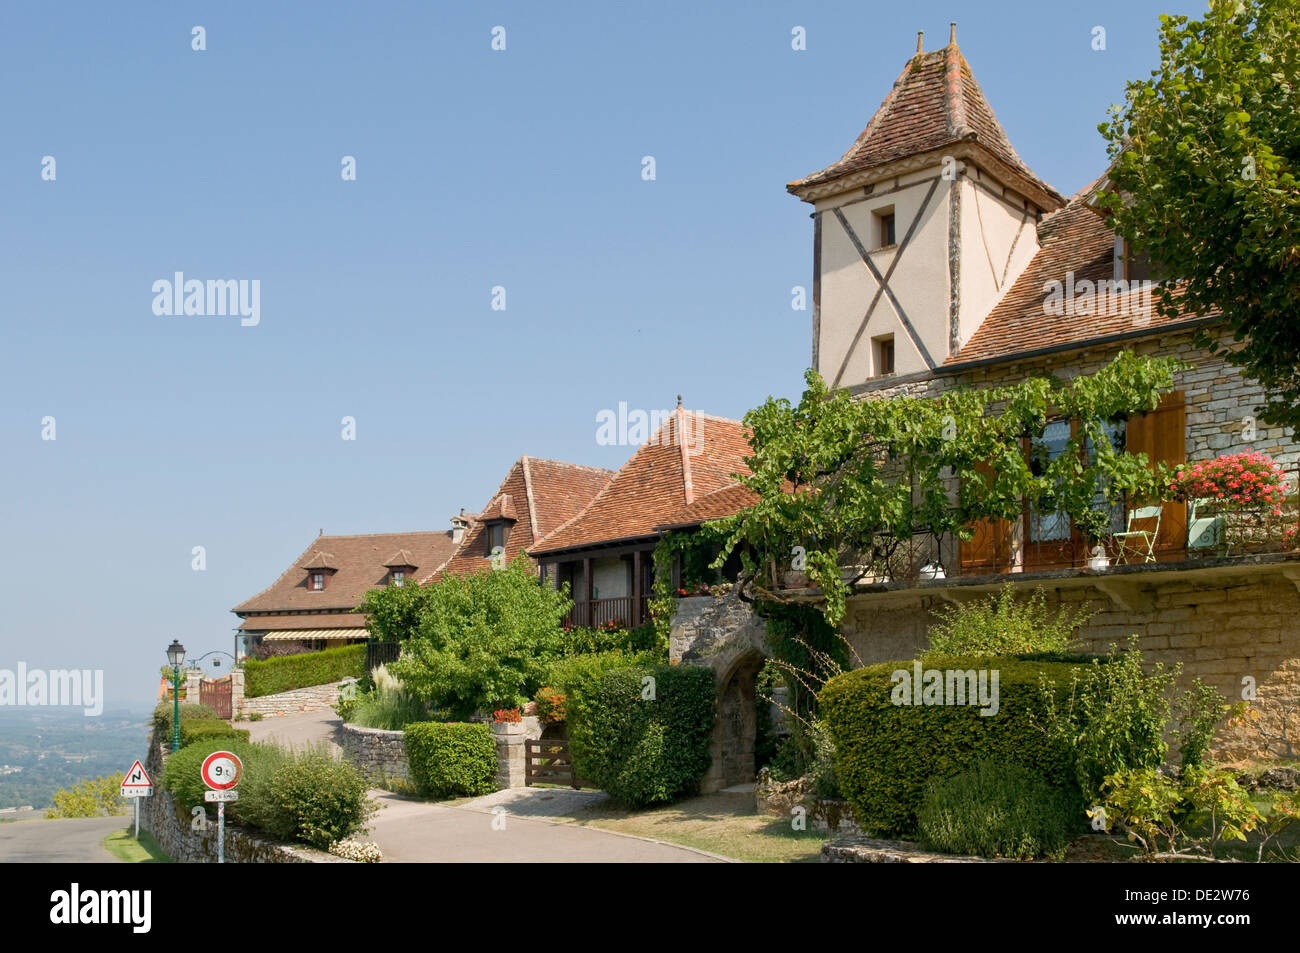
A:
{"x": 1206, "y": 152}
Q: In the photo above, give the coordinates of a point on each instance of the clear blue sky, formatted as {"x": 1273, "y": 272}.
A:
{"x": 475, "y": 168}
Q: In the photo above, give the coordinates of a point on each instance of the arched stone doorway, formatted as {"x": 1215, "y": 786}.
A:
{"x": 737, "y": 721}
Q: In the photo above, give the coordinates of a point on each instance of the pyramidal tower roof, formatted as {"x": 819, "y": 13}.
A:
{"x": 935, "y": 104}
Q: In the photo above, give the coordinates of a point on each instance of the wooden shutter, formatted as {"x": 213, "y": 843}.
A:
{"x": 1162, "y": 436}
{"x": 989, "y": 550}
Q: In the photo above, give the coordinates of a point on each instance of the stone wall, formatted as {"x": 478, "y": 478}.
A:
{"x": 379, "y": 754}
{"x": 1224, "y": 625}
{"x": 311, "y": 698}
{"x": 173, "y": 828}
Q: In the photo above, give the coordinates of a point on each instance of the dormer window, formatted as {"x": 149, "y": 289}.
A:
{"x": 319, "y": 568}
{"x": 496, "y": 537}
{"x": 399, "y": 565}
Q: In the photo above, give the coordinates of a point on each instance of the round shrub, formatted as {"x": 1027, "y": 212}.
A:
{"x": 451, "y": 759}
{"x": 886, "y": 753}
{"x": 181, "y": 770}
{"x": 317, "y": 798}
{"x": 998, "y": 809}
{"x": 644, "y": 742}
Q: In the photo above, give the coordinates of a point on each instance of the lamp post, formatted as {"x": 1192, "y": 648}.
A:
{"x": 176, "y": 656}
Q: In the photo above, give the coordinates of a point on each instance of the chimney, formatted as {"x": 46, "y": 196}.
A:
{"x": 458, "y": 526}
{"x": 920, "y": 36}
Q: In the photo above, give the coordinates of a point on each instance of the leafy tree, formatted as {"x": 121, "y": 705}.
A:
{"x": 484, "y": 641}
{"x": 394, "y": 612}
{"x": 843, "y": 484}
{"x": 93, "y": 797}
{"x": 1205, "y": 153}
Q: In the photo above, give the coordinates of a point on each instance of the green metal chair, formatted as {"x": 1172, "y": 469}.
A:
{"x": 1139, "y": 542}
{"x": 1203, "y": 532}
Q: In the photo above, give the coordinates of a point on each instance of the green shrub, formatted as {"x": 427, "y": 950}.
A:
{"x": 886, "y": 753}
{"x": 1113, "y": 717}
{"x": 162, "y": 717}
{"x": 451, "y": 759}
{"x": 998, "y": 809}
{"x": 286, "y": 672}
{"x": 93, "y": 797}
{"x": 575, "y": 677}
{"x": 388, "y": 709}
{"x": 1004, "y": 625}
{"x": 644, "y": 742}
{"x": 317, "y": 798}
{"x": 192, "y": 731}
{"x": 307, "y": 796}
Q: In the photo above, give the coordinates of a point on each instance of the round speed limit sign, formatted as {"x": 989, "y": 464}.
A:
{"x": 221, "y": 770}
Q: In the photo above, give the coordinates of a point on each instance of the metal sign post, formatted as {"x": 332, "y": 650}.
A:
{"x": 221, "y": 772}
{"x": 136, "y": 784}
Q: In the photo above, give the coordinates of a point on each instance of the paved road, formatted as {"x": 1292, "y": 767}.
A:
{"x": 416, "y": 831}
{"x": 298, "y": 730}
{"x": 74, "y": 840}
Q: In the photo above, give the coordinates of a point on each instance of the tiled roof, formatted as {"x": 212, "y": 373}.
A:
{"x": 654, "y": 486}
{"x": 360, "y": 564}
{"x": 712, "y": 506}
{"x": 539, "y": 495}
{"x": 1074, "y": 239}
{"x": 305, "y": 621}
{"x": 934, "y": 103}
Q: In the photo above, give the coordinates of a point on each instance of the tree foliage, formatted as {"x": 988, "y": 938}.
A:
{"x": 483, "y": 641}
{"x": 842, "y": 484}
{"x": 1206, "y": 152}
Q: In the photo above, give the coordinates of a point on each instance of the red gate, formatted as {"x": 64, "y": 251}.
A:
{"x": 215, "y": 693}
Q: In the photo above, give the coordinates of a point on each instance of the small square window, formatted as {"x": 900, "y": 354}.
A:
{"x": 317, "y": 581}
{"x": 398, "y": 577}
{"x": 883, "y": 355}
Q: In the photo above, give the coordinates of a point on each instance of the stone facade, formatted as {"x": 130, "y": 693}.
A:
{"x": 311, "y": 698}
{"x": 379, "y": 754}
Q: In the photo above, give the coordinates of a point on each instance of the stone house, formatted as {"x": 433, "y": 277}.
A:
{"x": 940, "y": 260}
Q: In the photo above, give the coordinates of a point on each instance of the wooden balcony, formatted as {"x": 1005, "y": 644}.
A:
{"x": 622, "y": 611}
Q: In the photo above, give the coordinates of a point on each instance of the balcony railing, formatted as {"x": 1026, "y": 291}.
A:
{"x": 622, "y": 611}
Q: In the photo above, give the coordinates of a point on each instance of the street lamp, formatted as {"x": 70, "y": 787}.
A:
{"x": 176, "y": 656}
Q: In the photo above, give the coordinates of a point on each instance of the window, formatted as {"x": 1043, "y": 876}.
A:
{"x": 397, "y": 576}
{"x": 1055, "y": 526}
{"x": 316, "y": 581}
{"x": 496, "y": 537}
{"x": 882, "y": 352}
{"x": 885, "y": 227}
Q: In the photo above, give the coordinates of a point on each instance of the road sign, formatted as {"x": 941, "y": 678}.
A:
{"x": 221, "y": 797}
{"x": 137, "y": 780}
{"x": 221, "y": 770}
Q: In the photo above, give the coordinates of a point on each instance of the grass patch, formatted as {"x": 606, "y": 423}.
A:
{"x": 725, "y": 824}
{"x": 123, "y": 845}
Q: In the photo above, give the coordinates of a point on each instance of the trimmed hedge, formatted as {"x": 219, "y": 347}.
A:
{"x": 451, "y": 759}
{"x": 886, "y": 754}
{"x": 287, "y": 672}
{"x": 207, "y": 730}
{"x": 190, "y": 711}
{"x": 644, "y": 751}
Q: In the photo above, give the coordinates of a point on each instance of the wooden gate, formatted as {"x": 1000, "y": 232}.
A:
{"x": 548, "y": 762}
{"x": 215, "y": 693}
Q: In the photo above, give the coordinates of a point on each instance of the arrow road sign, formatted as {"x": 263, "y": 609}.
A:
{"x": 136, "y": 782}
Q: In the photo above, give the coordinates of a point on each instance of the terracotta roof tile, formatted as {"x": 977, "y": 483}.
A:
{"x": 652, "y": 487}
{"x": 542, "y": 494}
{"x": 935, "y": 102}
{"x": 359, "y": 561}
{"x": 1074, "y": 239}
